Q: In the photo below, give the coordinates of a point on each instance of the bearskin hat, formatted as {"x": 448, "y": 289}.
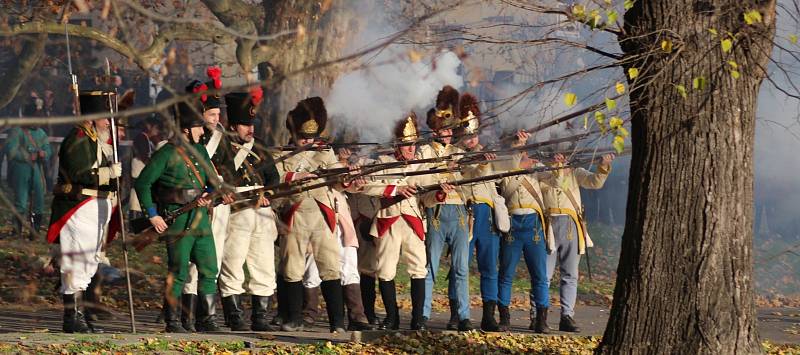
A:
{"x": 470, "y": 115}
{"x": 308, "y": 118}
{"x": 446, "y": 109}
{"x": 406, "y": 130}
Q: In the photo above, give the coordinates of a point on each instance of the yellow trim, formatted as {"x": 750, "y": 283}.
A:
{"x": 574, "y": 215}
{"x": 481, "y": 200}
{"x": 605, "y": 170}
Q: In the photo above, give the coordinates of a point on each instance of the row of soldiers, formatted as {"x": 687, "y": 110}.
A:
{"x": 338, "y": 233}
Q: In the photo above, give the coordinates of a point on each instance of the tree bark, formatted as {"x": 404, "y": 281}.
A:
{"x": 684, "y": 283}
{"x": 21, "y": 67}
{"x": 326, "y": 34}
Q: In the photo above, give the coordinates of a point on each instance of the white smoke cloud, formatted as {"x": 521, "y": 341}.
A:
{"x": 371, "y": 100}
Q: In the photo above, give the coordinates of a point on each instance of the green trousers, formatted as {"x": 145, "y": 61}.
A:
{"x": 200, "y": 251}
{"x": 28, "y": 182}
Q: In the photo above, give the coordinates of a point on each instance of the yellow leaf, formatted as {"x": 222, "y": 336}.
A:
{"x": 733, "y": 64}
{"x": 600, "y": 118}
{"x": 615, "y": 122}
{"x": 578, "y": 10}
{"x": 666, "y": 45}
{"x": 681, "y": 90}
{"x": 622, "y": 131}
{"x": 570, "y": 99}
{"x": 713, "y": 31}
{"x": 793, "y": 38}
{"x": 699, "y": 83}
{"x": 752, "y": 16}
{"x": 619, "y": 144}
{"x": 611, "y": 104}
{"x": 586, "y": 122}
{"x": 414, "y": 56}
{"x": 612, "y": 16}
{"x": 735, "y": 74}
{"x": 726, "y": 45}
{"x": 608, "y": 2}
{"x": 620, "y": 88}
{"x": 628, "y": 4}
{"x": 633, "y": 73}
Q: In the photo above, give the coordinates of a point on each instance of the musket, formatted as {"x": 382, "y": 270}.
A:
{"x": 73, "y": 78}
{"x": 113, "y": 104}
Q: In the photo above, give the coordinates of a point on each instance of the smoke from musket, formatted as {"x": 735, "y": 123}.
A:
{"x": 370, "y": 100}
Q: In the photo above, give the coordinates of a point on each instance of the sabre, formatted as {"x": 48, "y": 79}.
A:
{"x": 113, "y": 105}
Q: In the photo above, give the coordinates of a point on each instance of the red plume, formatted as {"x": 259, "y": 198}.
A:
{"x": 256, "y": 95}
{"x": 203, "y": 88}
{"x": 215, "y": 73}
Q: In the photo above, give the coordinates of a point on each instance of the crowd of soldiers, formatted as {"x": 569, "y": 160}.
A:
{"x": 284, "y": 224}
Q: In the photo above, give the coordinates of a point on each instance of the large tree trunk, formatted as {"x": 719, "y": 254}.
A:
{"x": 327, "y": 33}
{"x": 684, "y": 283}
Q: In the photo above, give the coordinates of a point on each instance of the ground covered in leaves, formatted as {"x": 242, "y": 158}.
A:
{"x": 416, "y": 343}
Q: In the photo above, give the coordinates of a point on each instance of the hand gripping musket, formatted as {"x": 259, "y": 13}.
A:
{"x": 113, "y": 104}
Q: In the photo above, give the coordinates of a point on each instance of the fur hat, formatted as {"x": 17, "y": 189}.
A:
{"x": 470, "y": 115}
{"x": 209, "y": 100}
{"x": 446, "y": 109}
{"x": 406, "y": 130}
{"x": 308, "y": 118}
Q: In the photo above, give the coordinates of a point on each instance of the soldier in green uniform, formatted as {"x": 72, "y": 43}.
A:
{"x": 28, "y": 152}
{"x": 177, "y": 175}
{"x": 82, "y": 205}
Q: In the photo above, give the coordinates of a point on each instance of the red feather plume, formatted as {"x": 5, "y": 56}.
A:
{"x": 215, "y": 73}
{"x": 256, "y": 95}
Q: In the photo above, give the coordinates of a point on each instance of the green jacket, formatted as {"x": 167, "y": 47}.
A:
{"x": 77, "y": 156}
{"x": 19, "y": 145}
{"x": 167, "y": 169}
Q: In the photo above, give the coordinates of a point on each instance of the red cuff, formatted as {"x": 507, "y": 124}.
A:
{"x": 389, "y": 191}
{"x": 346, "y": 184}
{"x": 289, "y": 177}
{"x": 441, "y": 196}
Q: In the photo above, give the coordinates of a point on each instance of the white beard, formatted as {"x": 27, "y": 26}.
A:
{"x": 102, "y": 138}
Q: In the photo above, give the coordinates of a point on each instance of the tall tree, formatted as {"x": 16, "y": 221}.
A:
{"x": 684, "y": 283}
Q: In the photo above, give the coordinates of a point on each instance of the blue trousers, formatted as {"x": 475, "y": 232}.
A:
{"x": 528, "y": 241}
{"x": 486, "y": 244}
{"x": 448, "y": 230}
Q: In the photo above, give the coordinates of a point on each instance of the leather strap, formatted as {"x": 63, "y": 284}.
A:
{"x": 189, "y": 163}
{"x": 527, "y": 185}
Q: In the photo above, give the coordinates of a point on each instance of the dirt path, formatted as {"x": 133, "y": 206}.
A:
{"x": 778, "y": 325}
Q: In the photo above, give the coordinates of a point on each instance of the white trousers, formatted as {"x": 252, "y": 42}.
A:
{"x": 251, "y": 242}
{"x": 81, "y": 240}
{"x": 349, "y": 267}
{"x": 219, "y": 225}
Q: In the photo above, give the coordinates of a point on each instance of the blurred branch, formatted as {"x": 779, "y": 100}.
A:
{"x": 32, "y": 51}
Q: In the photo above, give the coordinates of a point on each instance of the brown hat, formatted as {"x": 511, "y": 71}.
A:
{"x": 308, "y": 118}
{"x": 470, "y": 118}
{"x": 446, "y": 109}
{"x": 407, "y": 130}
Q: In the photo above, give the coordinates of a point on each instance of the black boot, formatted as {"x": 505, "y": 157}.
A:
{"x": 258, "y": 319}
{"x": 207, "y": 313}
{"x": 389, "y": 296}
{"x": 310, "y": 305}
{"x": 505, "y": 318}
{"x": 452, "y": 324}
{"x": 368, "y": 298}
{"x": 235, "y": 317}
{"x": 417, "y": 304}
{"x": 188, "y": 309}
{"x": 334, "y": 303}
{"x": 465, "y": 325}
{"x": 294, "y": 307}
{"x": 172, "y": 317}
{"x": 95, "y": 310}
{"x": 36, "y": 225}
{"x": 541, "y": 321}
{"x": 567, "y": 324}
{"x": 356, "y": 319}
{"x": 280, "y": 293}
{"x": 73, "y": 318}
{"x": 488, "y": 324}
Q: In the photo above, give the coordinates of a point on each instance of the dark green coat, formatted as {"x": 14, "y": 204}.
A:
{"x": 77, "y": 156}
{"x": 168, "y": 169}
